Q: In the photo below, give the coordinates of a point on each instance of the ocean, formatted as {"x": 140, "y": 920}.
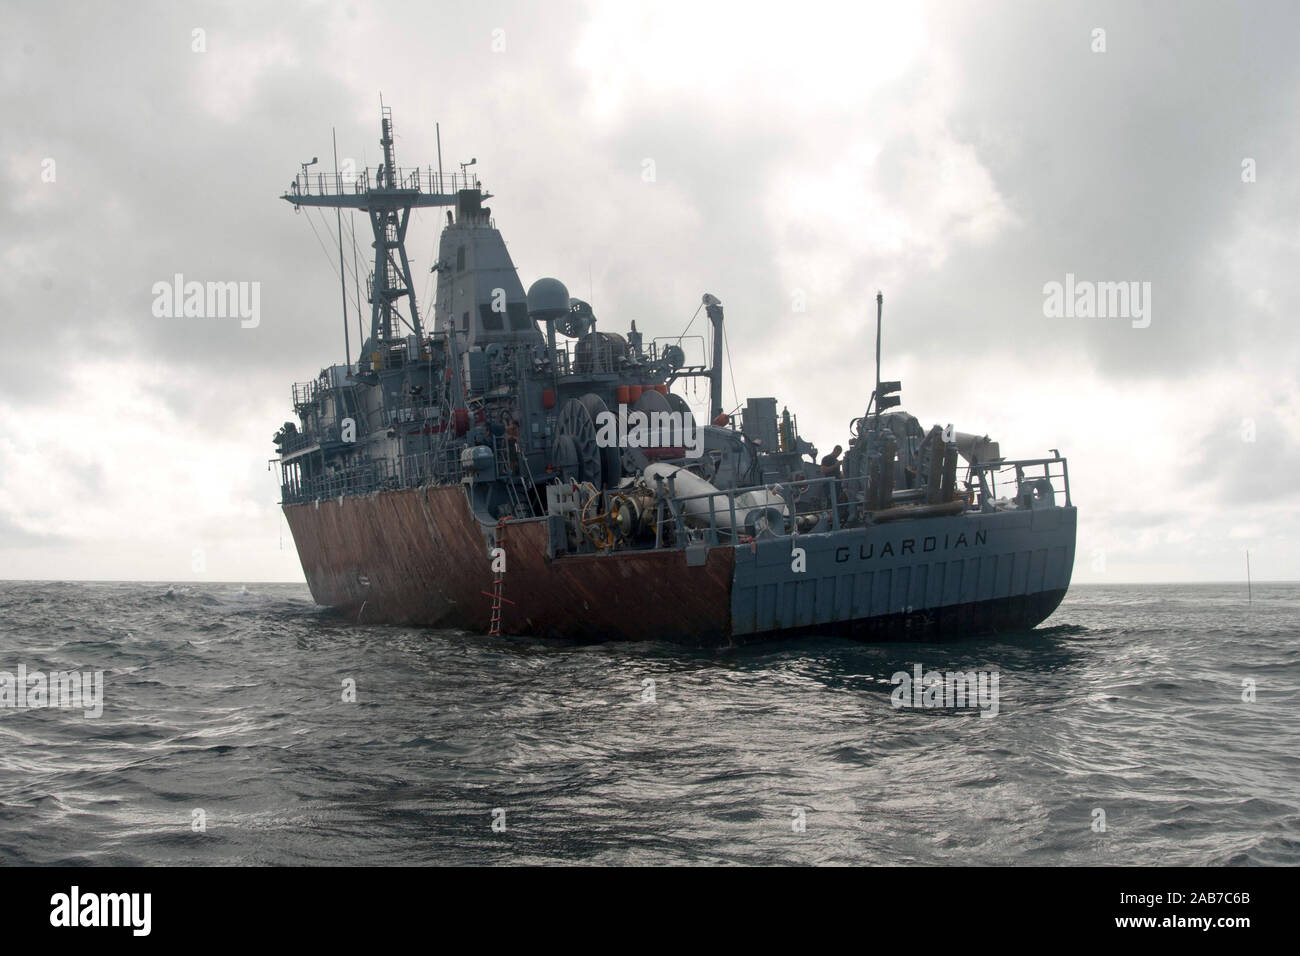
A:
{"x": 241, "y": 724}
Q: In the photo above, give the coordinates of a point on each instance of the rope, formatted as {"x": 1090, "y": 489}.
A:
{"x": 328, "y": 258}
{"x": 690, "y": 323}
{"x": 730, "y": 371}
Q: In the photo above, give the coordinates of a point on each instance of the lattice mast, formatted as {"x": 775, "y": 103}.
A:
{"x": 387, "y": 194}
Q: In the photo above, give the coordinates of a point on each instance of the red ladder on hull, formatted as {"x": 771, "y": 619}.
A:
{"x": 498, "y": 583}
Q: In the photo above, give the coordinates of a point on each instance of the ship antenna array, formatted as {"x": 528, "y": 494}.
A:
{"x": 387, "y": 199}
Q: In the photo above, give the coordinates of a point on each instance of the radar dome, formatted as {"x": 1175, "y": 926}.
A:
{"x": 547, "y": 299}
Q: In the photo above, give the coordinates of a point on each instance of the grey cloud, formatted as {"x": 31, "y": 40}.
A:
{"x": 1249, "y": 459}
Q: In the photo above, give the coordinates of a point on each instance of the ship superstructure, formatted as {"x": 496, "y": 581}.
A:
{"x": 509, "y": 466}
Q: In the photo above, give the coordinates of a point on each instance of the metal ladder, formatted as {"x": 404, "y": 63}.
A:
{"x": 494, "y": 627}
{"x": 526, "y": 475}
{"x": 498, "y": 583}
{"x": 522, "y": 506}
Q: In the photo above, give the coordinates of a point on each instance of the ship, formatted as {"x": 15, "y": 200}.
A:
{"x": 507, "y": 466}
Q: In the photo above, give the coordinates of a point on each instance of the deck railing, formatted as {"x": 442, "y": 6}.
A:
{"x": 817, "y": 505}
{"x": 439, "y": 467}
{"x": 424, "y": 179}
{"x": 1012, "y": 475}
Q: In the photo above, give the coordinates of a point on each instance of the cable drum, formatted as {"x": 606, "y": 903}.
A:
{"x": 678, "y": 404}
{"x": 651, "y": 401}
{"x": 599, "y": 352}
{"x": 611, "y": 468}
{"x": 574, "y": 450}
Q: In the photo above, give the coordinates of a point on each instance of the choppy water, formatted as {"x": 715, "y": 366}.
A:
{"x": 228, "y": 699}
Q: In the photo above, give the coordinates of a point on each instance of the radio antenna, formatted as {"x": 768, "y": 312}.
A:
{"x": 343, "y": 281}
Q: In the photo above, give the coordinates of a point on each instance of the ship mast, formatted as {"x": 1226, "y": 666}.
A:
{"x": 885, "y": 394}
{"x": 880, "y": 306}
{"x": 387, "y": 194}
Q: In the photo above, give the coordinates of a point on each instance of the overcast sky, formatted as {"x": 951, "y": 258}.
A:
{"x": 959, "y": 157}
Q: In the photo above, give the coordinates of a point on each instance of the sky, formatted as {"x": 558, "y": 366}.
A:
{"x": 961, "y": 158}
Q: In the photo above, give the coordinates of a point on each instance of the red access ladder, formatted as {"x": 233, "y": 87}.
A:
{"x": 495, "y": 626}
{"x": 498, "y": 583}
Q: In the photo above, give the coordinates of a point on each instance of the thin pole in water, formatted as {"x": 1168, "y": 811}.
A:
{"x": 1250, "y": 597}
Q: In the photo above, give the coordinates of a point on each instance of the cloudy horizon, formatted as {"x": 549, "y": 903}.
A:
{"x": 970, "y": 162}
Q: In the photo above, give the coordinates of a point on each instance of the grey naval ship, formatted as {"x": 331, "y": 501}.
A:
{"x": 509, "y": 467}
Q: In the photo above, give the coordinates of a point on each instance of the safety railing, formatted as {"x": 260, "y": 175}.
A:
{"x": 996, "y": 478}
{"x": 660, "y": 345}
{"x": 439, "y": 467}
{"x": 304, "y": 393}
{"x": 295, "y": 441}
{"x": 423, "y": 179}
{"x": 786, "y": 507}
{"x": 796, "y": 506}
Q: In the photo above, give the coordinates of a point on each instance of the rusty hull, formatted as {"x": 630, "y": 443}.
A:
{"x": 419, "y": 556}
